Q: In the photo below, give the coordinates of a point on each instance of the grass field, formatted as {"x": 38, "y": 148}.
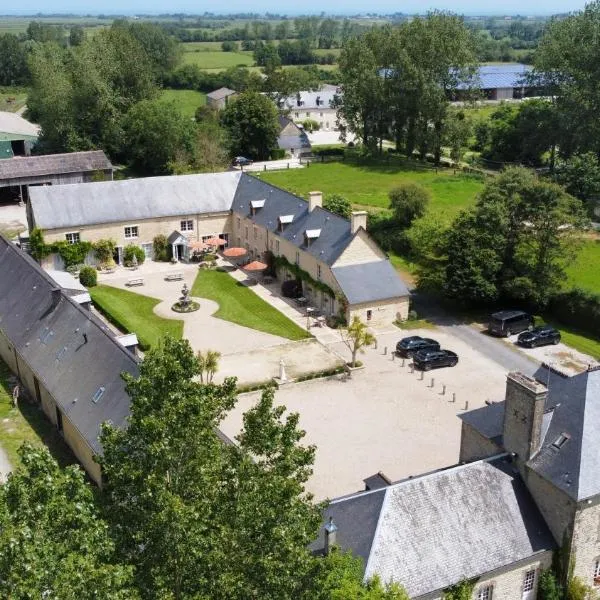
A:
{"x": 12, "y": 98}
{"x": 133, "y": 313}
{"x": 26, "y": 423}
{"x": 187, "y": 101}
{"x": 241, "y": 305}
{"x": 584, "y": 272}
{"x": 217, "y": 60}
{"x": 368, "y": 186}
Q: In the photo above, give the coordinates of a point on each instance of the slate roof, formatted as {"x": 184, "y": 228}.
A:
{"x": 498, "y": 76}
{"x": 297, "y": 140}
{"x": 335, "y": 230}
{"x": 54, "y": 164}
{"x": 325, "y": 96}
{"x": 370, "y": 281}
{"x": 47, "y": 329}
{"x": 80, "y": 204}
{"x": 16, "y": 127}
{"x": 572, "y": 407}
{"x": 432, "y": 531}
{"x": 220, "y": 93}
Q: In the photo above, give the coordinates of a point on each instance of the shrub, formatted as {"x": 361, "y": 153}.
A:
{"x": 229, "y": 46}
{"x": 37, "y": 246}
{"x": 578, "y": 308}
{"x": 73, "y": 269}
{"x": 409, "y": 202}
{"x": 210, "y": 257}
{"x": 88, "y": 276}
{"x": 161, "y": 248}
{"x": 310, "y": 125}
{"x": 104, "y": 250}
{"x": 412, "y": 315}
{"x": 277, "y": 153}
{"x": 130, "y": 251}
{"x": 335, "y": 151}
{"x": 72, "y": 254}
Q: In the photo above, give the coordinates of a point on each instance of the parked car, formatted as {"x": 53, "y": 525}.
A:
{"x": 539, "y": 336}
{"x": 409, "y": 345}
{"x": 433, "y": 359}
{"x": 508, "y": 322}
{"x": 241, "y": 161}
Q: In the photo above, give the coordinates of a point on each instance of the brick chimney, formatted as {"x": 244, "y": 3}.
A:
{"x": 314, "y": 199}
{"x": 523, "y": 411}
{"x": 358, "y": 219}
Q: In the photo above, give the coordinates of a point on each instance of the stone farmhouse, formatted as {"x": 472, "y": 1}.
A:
{"x": 343, "y": 269}
{"x": 67, "y": 359}
{"x": 220, "y": 98}
{"x": 527, "y": 484}
{"x": 317, "y": 106}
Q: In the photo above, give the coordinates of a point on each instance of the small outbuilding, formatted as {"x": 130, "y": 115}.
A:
{"x": 17, "y": 135}
{"x": 220, "y": 98}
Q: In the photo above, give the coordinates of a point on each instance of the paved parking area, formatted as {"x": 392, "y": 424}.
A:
{"x": 385, "y": 417}
{"x": 12, "y": 217}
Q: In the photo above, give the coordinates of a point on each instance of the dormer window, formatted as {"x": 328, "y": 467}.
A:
{"x": 311, "y": 234}
{"x": 285, "y": 220}
{"x": 562, "y": 439}
{"x": 256, "y": 205}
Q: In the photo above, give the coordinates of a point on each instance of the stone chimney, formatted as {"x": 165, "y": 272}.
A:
{"x": 330, "y": 535}
{"x": 358, "y": 219}
{"x": 523, "y": 411}
{"x": 314, "y": 199}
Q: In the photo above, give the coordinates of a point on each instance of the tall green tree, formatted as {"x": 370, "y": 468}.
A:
{"x": 53, "y": 542}
{"x": 409, "y": 201}
{"x": 252, "y": 125}
{"x": 199, "y": 518}
{"x": 566, "y": 61}
{"x": 157, "y": 135}
{"x": 515, "y": 242}
{"x": 338, "y": 204}
{"x": 13, "y": 61}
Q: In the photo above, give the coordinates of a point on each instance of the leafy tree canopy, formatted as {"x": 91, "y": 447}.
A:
{"x": 338, "y": 204}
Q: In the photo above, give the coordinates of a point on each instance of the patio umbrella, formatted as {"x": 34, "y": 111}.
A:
{"x": 215, "y": 241}
{"x": 197, "y": 245}
{"x": 255, "y": 265}
{"x": 234, "y": 252}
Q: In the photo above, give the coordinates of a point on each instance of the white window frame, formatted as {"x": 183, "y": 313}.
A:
{"x": 187, "y": 225}
{"x": 131, "y": 228}
{"x": 529, "y": 581}
{"x": 71, "y": 240}
{"x": 485, "y": 592}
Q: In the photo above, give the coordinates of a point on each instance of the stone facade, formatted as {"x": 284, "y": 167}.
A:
{"x": 474, "y": 446}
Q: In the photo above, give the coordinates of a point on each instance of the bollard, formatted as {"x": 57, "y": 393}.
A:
{"x": 385, "y": 350}
{"x": 466, "y": 405}
{"x": 432, "y": 382}
{"x": 375, "y": 344}
{"x": 422, "y": 375}
{"x": 453, "y": 396}
{"x": 393, "y": 356}
{"x": 444, "y": 390}
{"x": 403, "y": 362}
{"x": 412, "y": 368}
{"x": 288, "y": 165}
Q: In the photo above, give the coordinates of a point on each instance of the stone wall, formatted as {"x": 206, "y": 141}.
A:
{"x": 474, "y": 446}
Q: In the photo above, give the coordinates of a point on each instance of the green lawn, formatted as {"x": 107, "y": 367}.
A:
{"x": 133, "y": 313}
{"x": 584, "y": 272}
{"x": 12, "y": 98}
{"x": 241, "y": 305}
{"x": 217, "y": 60}
{"x": 367, "y": 186}
{"x": 26, "y": 423}
{"x": 187, "y": 101}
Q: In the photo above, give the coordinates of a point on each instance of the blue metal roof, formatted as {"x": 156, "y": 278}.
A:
{"x": 499, "y": 76}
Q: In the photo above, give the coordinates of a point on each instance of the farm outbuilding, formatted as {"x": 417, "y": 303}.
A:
{"x": 19, "y": 173}
{"x": 17, "y": 135}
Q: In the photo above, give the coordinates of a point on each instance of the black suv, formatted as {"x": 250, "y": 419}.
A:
{"x": 507, "y": 322}
{"x": 539, "y": 336}
{"x": 432, "y": 359}
{"x": 409, "y": 345}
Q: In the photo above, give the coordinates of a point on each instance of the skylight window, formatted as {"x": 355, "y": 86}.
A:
{"x": 99, "y": 393}
{"x": 312, "y": 234}
{"x": 284, "y": 219}
{"x": 562, "y": 439}
{"x": 257, "y": 204}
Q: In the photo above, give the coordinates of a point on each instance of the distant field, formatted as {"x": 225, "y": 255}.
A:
{"x": 187, "y": 101}
{"x": 12, "y": 99}
{"x": 217, "y": 60}
{"x": 585, "y": 270}
{"x": 325, "y": 52}
{"x": 367, "y": 186}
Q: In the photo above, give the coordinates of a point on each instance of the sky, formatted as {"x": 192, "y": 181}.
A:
{"x": 473, "y": 7}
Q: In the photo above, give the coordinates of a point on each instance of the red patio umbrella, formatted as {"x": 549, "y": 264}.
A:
{"x": 255, "y": 265}
{"x": 215, "y": 241}
{"x": 234, "y": 252}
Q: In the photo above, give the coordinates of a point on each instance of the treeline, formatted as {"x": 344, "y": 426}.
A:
{"x": 182, "y": 514}
{"x": 297, "y": 52}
